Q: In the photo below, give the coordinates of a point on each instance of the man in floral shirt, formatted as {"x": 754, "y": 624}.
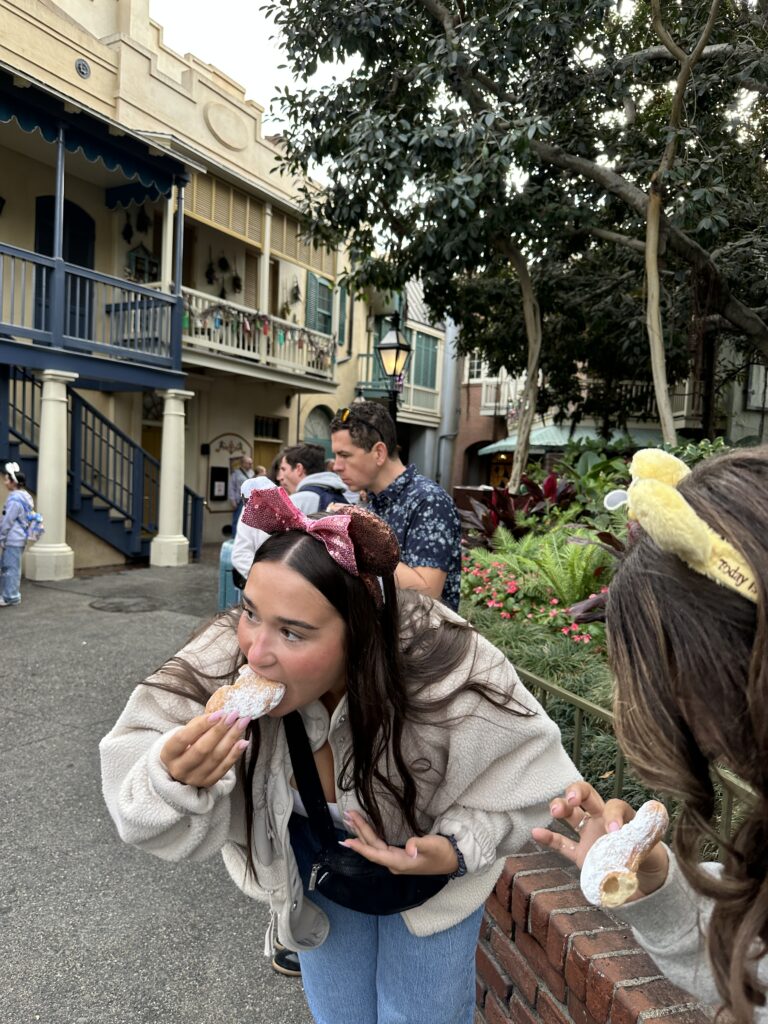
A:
{"x": 420, "y": 512}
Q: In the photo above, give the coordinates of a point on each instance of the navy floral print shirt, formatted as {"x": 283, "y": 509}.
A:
{"x": 426, "y": 524}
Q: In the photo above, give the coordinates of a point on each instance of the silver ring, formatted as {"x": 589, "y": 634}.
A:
{"x": 583, "y": 821}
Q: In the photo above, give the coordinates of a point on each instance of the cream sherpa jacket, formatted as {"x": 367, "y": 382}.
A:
{"x": 491, "y": 779}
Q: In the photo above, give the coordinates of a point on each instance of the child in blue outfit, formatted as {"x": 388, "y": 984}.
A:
{"x": 13, "y": 534}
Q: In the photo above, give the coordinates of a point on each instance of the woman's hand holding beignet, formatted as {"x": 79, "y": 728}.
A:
{"x": 581, "y": 801}
{"x": 205, "y": 749}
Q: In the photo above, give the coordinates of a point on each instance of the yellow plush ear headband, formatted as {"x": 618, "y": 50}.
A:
{"x": 667, "y": 518}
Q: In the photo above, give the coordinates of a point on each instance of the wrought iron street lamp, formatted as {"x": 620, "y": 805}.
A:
{"x": 394, "y": 351}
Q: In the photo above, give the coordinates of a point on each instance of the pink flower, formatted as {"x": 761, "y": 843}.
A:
{"x": 506, "y": 615}
{"x": 529, "y": 615}
{"x": 553, "y": 613}
{"x": 554, "y": 601}
{"x": 565, "y": 630}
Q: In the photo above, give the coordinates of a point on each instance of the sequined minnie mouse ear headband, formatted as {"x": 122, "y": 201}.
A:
{"x": 361, "y": 543}
{"x": 11, "y": 469}
{"x": 655, "y": 503}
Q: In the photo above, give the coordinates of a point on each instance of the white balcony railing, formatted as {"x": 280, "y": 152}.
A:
{"x": 226, "y": 328}
{"x": 498, "y": 394}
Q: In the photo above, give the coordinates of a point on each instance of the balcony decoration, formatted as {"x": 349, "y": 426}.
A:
{"x": 127, "y": 231}
{"x": 223, "y": 264}
{"x": 142, "y": 265}
{"x": 210, "y": 270}
{"x": 143, "y": 222}
{"x": 237, "y": 282}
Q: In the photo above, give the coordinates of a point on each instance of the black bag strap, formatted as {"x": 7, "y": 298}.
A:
{"x": 308, "y": 780}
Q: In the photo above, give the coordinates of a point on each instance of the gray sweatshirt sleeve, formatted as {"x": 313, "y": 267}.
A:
{"x": 671, "y": 925}
{"x": 150, "y": 809}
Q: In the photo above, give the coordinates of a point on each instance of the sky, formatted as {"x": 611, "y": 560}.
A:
{"x": 232, "y": 34}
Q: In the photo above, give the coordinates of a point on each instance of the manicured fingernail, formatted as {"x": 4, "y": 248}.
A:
{"x": 614, "y": 826}
{"x": 343, "y": 842}
{"x": 215, "y": 716}
{"x": 553, "y": 810}
{"x": 347, "y": 816}
{"x": 232, "y": 717}
{"x": 242, "y": 723}
{"x": 242, "y": 744}
{"x": 572, "y": 798}
{"x": 415, "y": 854}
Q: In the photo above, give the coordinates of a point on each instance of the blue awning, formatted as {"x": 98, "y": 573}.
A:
{"x": 544, "y": 439}
{"x": 35, "y": 109}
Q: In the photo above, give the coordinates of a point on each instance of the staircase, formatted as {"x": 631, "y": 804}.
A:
{"x": 113, "y": 484}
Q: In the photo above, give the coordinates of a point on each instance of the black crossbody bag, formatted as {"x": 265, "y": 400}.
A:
{"x": 340, "y": 874}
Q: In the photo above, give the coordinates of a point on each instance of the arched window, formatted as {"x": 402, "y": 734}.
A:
{"x": 317, "y": 429}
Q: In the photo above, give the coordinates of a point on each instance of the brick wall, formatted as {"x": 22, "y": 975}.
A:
{"x": 546, "y": 955}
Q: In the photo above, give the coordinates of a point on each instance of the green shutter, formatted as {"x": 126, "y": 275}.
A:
{"x": 342, "y": 335}
{"x": 310, "y": 315}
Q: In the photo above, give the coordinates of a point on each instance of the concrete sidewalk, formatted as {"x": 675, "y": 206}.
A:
{"x": 92, "y": 930}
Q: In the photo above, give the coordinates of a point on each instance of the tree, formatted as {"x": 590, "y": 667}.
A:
{"x": 460, "y": 135}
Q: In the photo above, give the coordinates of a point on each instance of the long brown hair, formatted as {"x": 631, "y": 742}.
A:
{"x": 390, "y": 673}
{"x": 690, "y": 660}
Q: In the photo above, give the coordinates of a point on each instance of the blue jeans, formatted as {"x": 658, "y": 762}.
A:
{"x": 10, "y": 574}
{"x": 371, "y": 970}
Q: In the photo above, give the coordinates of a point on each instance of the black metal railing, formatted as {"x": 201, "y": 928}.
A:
{"x": 107, "y": 469}
{"x": 735, "y": 794}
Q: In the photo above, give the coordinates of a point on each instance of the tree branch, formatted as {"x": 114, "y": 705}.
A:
{"x": 615, "y": 236}
{"x": 740, "y": 315}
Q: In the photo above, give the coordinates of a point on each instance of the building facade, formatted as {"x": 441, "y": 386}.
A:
{"x": 156, "y": 292}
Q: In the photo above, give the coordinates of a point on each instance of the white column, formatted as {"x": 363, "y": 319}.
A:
{"x": 166, "y": 250}
{"x": 266, "y": 245}
{"x": 51, "y": 558}
{"x": 170, "y": 546}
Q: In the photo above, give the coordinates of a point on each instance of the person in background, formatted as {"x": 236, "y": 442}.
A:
{"x": 260, "y": 470}
{"x": 237, "y": 478}
{"x": 13, "y": 535}
{"x": 247, "y": 539}
{"x": 687, "y": 628}
{"x": 421, "y": 513}
{"x": 430, "y": 756}
{"x": 274, "y": 467}
{"x": 352, "y": 497}
{"x": 304, "y": 476}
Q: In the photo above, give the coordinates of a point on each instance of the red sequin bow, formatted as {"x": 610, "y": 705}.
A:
{"x": 273, "y": 512}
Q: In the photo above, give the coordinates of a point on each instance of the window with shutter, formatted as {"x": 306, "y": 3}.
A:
{"x": 424, "y": 361}
{"x": 319, "y": 315}
{"x": 343, "y": 300}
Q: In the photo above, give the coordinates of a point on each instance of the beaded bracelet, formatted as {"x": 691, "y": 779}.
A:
{"x": 462, "y": 868}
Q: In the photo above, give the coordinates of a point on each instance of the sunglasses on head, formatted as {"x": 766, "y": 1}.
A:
{"x": 346, "y": 415}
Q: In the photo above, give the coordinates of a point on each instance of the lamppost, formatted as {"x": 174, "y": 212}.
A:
{"x": 394, "y": 351}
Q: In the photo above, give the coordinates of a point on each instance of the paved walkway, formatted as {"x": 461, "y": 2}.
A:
{"x": 92, "y": 931}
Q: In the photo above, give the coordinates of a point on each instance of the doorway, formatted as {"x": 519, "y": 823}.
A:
{"x": 78, "y": 245}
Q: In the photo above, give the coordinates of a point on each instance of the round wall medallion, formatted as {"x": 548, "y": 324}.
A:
{"x": 226, "y": 125}
{"x": 82, "y": 67}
